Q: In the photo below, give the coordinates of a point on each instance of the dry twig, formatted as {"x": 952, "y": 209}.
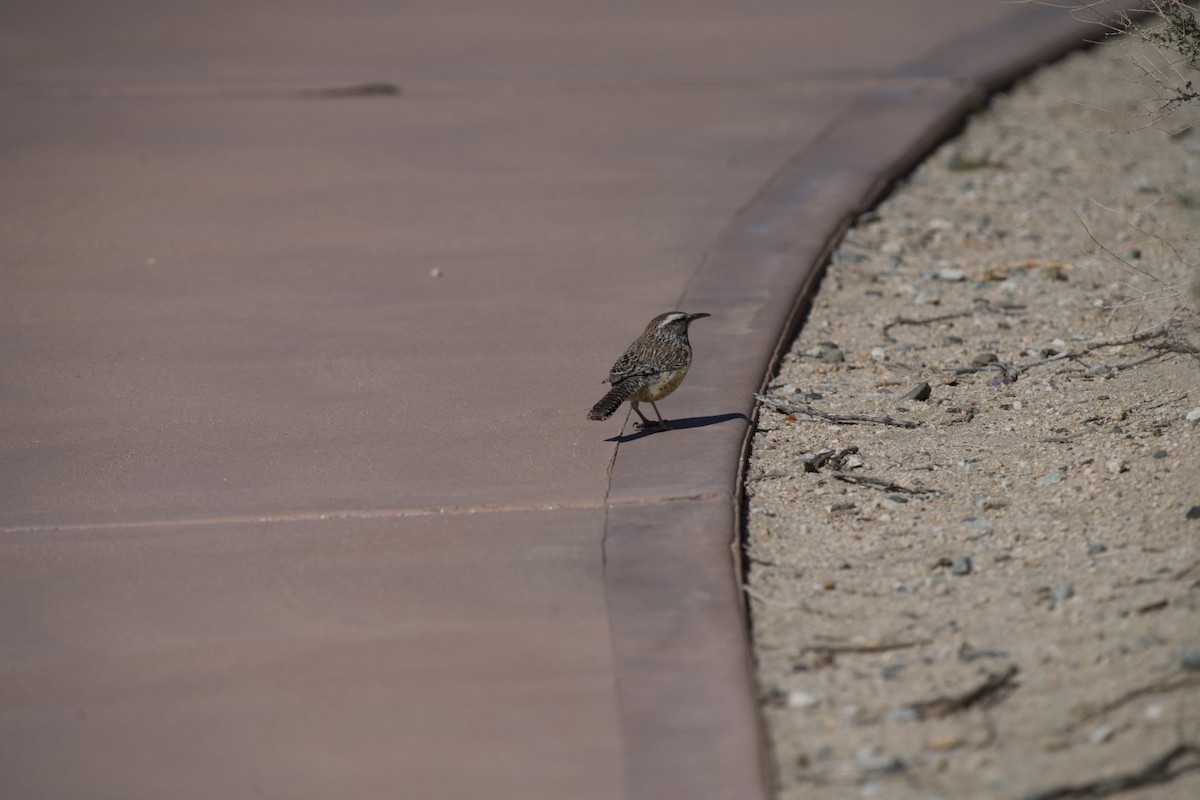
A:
{"x": 785, "y": 407}
{"x": 877, "y": 483}
{"x": 880, "y": 647}
{"x": 918, "y": 321}
{"x": 1181, "y": 680}
{"x": 1010, "y": 372}
{"x": 815, "y": 461}
{"x": 981, "y": 304}
{"x": 990, "y": 692}
{"x": 1160, "y": 770}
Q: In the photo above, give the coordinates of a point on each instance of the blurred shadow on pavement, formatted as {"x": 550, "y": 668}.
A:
{"x": 677, "y": 425}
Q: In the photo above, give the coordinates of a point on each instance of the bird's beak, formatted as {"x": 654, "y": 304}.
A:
{"x": 692, "y": 317}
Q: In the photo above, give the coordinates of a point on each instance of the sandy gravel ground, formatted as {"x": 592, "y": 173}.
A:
{"x": 973, "y": 511}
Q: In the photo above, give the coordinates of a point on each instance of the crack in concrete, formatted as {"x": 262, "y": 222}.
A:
{"x": 348, "y": 514}
{"x": 387, "y": 89}
{"x": 305, "y": 516}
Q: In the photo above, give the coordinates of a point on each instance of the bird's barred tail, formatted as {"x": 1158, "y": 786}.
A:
{"x": 609, "y": 403}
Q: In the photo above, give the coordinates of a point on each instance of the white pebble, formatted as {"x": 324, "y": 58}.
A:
{"x": 802, "y": 699}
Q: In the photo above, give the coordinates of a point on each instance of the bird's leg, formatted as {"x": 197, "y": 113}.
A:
{"x": 645, "y": 423}
{"x": 663, "y": 423}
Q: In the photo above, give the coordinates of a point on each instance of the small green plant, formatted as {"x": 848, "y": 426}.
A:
{"x": 1164, "y": 43}
{"x": 1164, "y": 38}
{"x": 1179, "y": 32}
{"x": 1169, "y": 28}
{"x": 1185, "y": 198}
{"x": 963, "y": 163}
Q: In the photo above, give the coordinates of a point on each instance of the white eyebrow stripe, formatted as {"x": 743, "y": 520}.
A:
{"x": 672, "y": 318}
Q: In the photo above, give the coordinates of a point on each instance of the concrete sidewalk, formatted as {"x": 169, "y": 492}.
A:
{"x": 300, "y": 317}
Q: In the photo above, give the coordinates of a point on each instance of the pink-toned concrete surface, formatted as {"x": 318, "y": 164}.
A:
{"x": 298, "y": 494}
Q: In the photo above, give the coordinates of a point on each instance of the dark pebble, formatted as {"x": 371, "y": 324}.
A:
{"x": 1064, "y": 591}
{"x": 1193, "y": 512}
{"x": 1096, "y": 549}
{"x": 920, "y": 392}
{"x": 774, "y": 696}
{"x": 832, "y": 355}
{"x": 969, "y": 654}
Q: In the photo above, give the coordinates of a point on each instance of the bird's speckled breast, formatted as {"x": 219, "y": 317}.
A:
{"x": 662, "y": 385}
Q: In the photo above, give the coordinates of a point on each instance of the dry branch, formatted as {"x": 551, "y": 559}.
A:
{"x": 988, "y": 693}
{"x": 880, "y": 647}
{"x": 877, "y": 483}
{"x": 785, "y": 407}
{"x": 1160, "y": 770}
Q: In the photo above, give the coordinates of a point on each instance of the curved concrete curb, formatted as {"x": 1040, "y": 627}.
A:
{"x": 690, "y": 721}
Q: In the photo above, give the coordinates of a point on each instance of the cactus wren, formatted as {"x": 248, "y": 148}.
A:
{"x": 652, "y": 367}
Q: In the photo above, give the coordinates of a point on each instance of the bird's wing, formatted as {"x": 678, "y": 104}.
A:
{"x": 628, "y": 366}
